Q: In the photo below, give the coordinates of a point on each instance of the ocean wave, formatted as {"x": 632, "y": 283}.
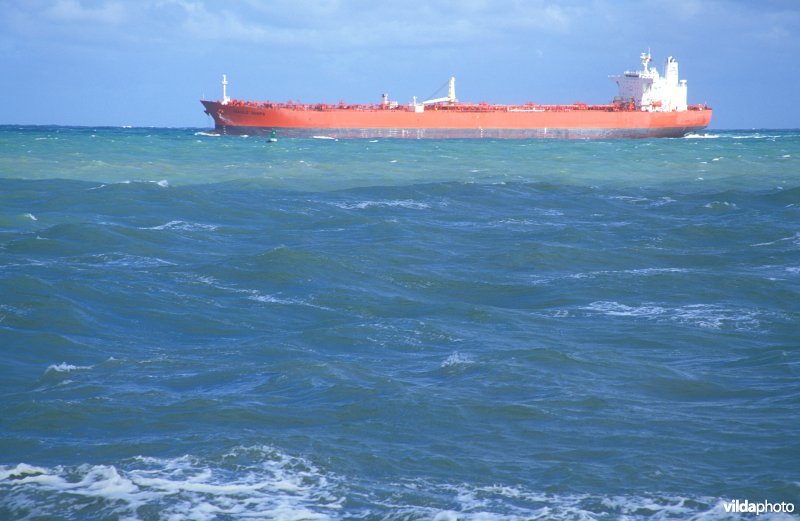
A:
{"x": 265, "y": 483}
{"x": 183, "y": 226}
{"x": 125, "y": 260}
{"x": 399, "y": 203}
{"x": 163, "y": 183}
{"x": 724, "y": 205}
{"x": 255, "y": 295}
{"x": 271, "y": 299}
{"x": 248, "y": 482}
{"x": 794, "y": 239}
{"x": 708, "y": 316}
{"x": 207, "y": 134}
{"x": 652, "y": 203}
{"x": 457, "y": 359}
{"x": 511, "y": 503}
{"x": 65, "y": 368}
{"x": 646, "y": 272}
{"x": 701, "y": 136}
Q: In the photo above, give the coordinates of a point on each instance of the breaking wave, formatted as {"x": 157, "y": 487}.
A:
{"x": 248, "y": 482}
{"x": 261, "y": 482}
{"x": 709, "y": 316}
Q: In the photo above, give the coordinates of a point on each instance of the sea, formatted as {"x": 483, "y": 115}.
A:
{"x": 217, "y": 328}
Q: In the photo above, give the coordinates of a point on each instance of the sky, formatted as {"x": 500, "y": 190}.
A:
{"x": 149, "y": 62}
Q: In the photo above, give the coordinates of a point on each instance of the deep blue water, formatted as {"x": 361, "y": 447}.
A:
{"x": 217, "y": 328}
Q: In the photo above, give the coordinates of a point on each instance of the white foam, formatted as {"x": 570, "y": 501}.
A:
{"x": 794, "y": 239}
{"x": 127, "y": 260}
{"x": 708, "y": 316}
{"x": 721, "y": 204}
{"x": 270, "y": 299}
{"x": 184, "y": 226}
{"x": 31, "y": 217}
{"x": 637, "y": 272}
{"x": 457, "y": 359}
{"x": 65, "y": 368}
{"x": 249, "y": 482}
{"x": 701, "y": 136}
{"x": 510, "y": 503}
{"x": 256, "y": 295}
{"x": 22, "y": 470}
{"x": 661, "y": 201}
{"x": 207, "y": 134}
{"x": 402, "y": 203}
{"x": 615, "y": 309}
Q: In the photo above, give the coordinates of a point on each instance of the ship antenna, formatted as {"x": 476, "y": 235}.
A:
{"x": 225, "y": 98}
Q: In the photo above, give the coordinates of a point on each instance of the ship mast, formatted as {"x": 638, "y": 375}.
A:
{"x": 225, "y": 98}
{"x": 646, "y": 59}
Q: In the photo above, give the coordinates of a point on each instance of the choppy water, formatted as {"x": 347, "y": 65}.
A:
{"x": 217, "y": 328}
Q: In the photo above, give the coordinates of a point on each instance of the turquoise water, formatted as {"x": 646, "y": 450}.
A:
{"x": 218, "y": 328}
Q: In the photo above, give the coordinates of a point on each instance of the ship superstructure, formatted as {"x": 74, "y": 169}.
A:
{"x": 650, "y": 91}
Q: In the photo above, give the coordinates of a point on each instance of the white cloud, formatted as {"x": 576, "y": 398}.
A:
{"x": 75, "y": 11}
{"x": 359, "y": 24}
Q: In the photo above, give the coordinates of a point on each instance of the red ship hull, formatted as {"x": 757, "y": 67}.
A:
{"x": 455, "y": 121}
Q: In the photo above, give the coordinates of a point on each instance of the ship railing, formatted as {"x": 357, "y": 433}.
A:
{"x": 452, "y": 107}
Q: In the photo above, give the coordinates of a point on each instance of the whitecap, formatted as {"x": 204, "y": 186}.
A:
{"x": 256, "y": 295}
{"x": 661, "y": 201}
{"x": 65, "y": 368}
{"x": 31, "y": 217}
{"x": 405, "y": 203}
{"x": 707, "y": 316}
{"x": 183, "y": 226}
{"x": 794, "y": 239}
{"x": 615, "y": 309}
{"x": 207, "y": 134}
{"x": 701, "y": 136}
{"x": 271, "y": 299}
{"x": 249, "y": 482}
{"x": 506, "y": 503}
{"x": 128, "y": 260}
{"x": 720, "y": 204}
{"x": 456, "y": 359}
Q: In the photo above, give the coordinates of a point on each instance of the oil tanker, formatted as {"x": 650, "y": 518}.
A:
{"x": 647, "y": 105}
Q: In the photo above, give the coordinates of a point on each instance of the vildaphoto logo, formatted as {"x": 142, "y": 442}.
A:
{"x": 758, "y": 508}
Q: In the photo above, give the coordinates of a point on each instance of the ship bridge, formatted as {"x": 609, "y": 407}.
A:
{"x": 649, "y": 90}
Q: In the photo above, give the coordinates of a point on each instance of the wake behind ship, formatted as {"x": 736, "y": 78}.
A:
{"x": 647, "y": 105}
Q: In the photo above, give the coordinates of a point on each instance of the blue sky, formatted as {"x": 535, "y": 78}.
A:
{"x": 147, "y": 62}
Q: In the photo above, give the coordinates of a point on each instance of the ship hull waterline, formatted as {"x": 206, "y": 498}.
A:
{"x": 445, "y": 124}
